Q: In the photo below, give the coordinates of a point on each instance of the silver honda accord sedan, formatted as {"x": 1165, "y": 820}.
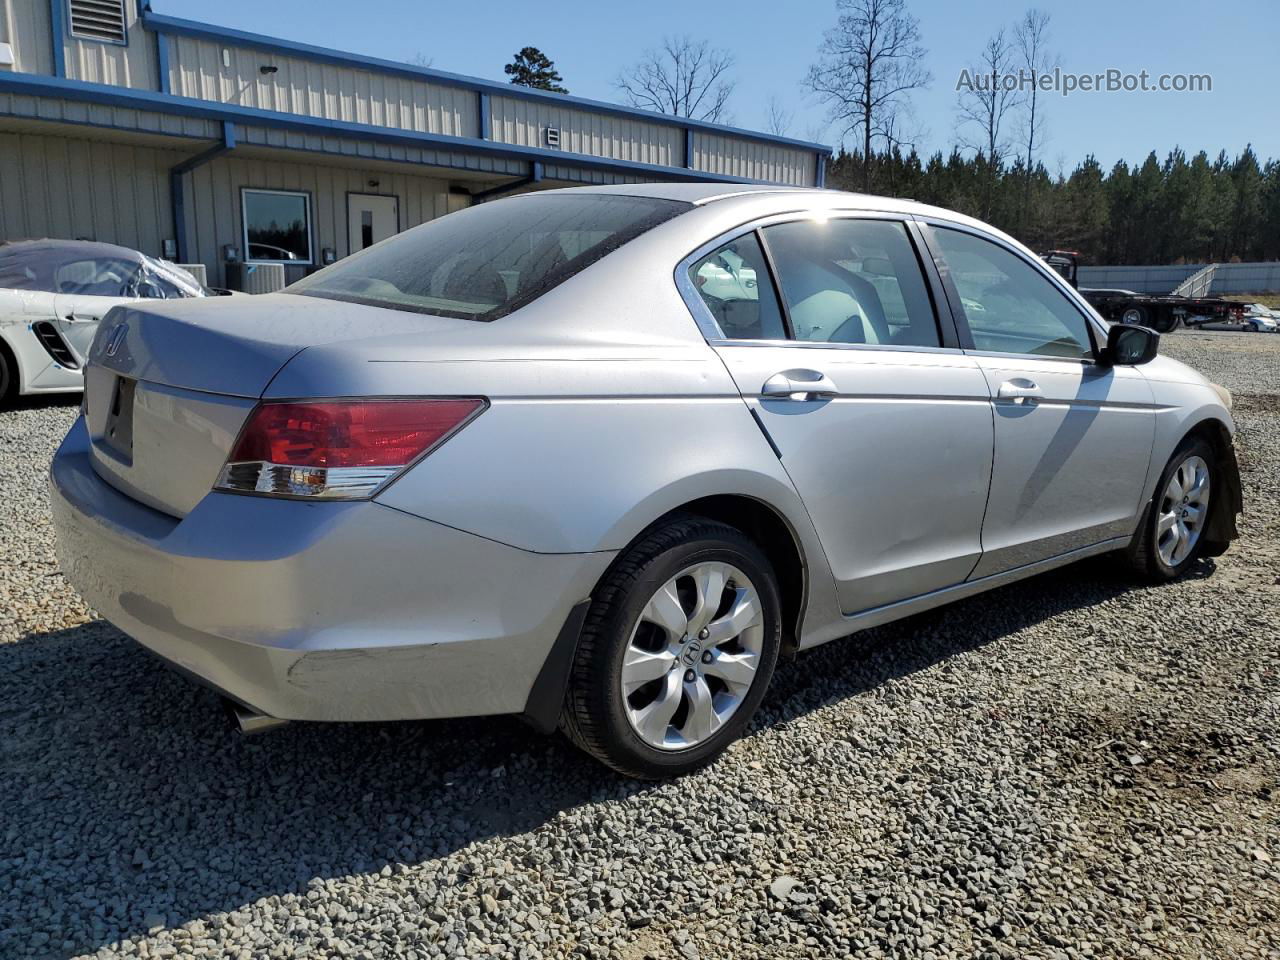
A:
{"x": 601, "y": 456}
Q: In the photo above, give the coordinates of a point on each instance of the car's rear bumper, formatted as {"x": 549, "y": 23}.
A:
{"x": 318, "y": 611}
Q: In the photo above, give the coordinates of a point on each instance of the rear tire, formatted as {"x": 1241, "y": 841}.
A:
{"x": 677, "y": 650}
{"x": 1136, "y": 316}
{"x": 8, "y": 377}
{"x": 1163, "y": 548}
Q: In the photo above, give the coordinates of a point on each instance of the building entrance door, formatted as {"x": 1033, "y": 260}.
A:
{"x": 370, "y": 218}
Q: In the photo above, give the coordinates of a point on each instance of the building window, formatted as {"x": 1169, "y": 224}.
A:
{"x": 277, "y": 226}
{"x": 98, "y": 20}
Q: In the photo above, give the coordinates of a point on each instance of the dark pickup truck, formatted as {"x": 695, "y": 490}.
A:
{"x": 1161, "y": 313}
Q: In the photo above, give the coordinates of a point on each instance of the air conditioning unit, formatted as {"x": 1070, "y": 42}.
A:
{"x": 255, "y": 277}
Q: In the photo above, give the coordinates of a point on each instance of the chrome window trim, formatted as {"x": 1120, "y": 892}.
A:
{"x": 1091, "y": 316}
{"x": 1004, "y": 354}
{"x": 706, "y": 321}
{"x": 824, "y": 345}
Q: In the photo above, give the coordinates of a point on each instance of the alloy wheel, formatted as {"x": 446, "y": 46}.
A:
{"x": 1184, "y": 507}
{"x": 692, "y": 655}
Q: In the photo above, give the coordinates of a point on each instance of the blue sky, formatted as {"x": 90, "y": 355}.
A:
{"x": 1234, "y": 42}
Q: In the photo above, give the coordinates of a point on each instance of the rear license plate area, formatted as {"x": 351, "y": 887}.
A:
{"x": 117, "y": 433}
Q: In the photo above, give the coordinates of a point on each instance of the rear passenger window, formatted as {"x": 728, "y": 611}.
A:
{"x": 734, "y": 284}
{"x": 852, "y": 281}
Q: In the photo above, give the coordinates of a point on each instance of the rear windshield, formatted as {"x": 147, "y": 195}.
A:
{"x": 489, "y": 260}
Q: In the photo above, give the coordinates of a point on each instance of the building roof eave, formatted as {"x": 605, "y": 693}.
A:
{"x": 148, "y": 100}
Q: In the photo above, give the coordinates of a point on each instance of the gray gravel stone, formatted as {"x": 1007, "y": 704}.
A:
{"x": 956, "y": 785}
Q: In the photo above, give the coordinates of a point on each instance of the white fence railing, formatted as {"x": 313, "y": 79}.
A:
{"x": 1198, "y": 284}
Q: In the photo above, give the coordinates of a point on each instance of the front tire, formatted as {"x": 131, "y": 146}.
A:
{"x": 1171, "y": 536}
{"x": 677, "y": 651}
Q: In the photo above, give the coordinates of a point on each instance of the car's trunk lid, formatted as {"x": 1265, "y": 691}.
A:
{"x": 169, "y": 385}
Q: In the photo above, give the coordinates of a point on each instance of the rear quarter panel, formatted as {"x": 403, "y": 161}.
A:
{"x": 581, "y": 455}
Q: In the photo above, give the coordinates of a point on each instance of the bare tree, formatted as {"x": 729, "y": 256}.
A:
{"x": 985, "y": 95}
{"x": 779, "y": 119}
{"x": 898, "y": 129}
{"x": 815, "y": 132}
{"x": 420, "y": 59}
{"x": 1031, "y": 34}
{"x": 869, "y": 64}
{"x": 683, "y": 77}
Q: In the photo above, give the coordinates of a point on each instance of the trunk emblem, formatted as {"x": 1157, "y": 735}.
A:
{"x": 117, "y": 338}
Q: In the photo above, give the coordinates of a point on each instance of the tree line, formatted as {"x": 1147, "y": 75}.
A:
{"x": 1179, "y": 210}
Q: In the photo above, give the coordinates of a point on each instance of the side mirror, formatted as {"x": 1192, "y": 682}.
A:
{"x": 1128, "y": 346}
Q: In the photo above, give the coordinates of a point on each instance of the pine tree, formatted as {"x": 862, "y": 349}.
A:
{"x": 533, "y": 68}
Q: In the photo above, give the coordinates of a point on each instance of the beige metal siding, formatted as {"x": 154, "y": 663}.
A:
{"x": 318, "y": 89}
{"x": 131, "y": 65}
{"x": 69, "y": 187}
{"x": 26, "y": 26}
{"x": 524, "y": 122}
{"x": 752, "y": 159}
{"x": 213, "y": 202}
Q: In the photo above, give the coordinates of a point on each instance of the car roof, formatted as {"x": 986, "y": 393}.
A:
{"x": 763, "y": 199}
{"x": 85, "y": 248}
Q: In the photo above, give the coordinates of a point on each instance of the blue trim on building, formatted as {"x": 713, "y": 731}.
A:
{"x": 37, "y": 85}
{"x": 535, "y": 176}
{"x": 58, "y": 35}
{"x": 485, "y": 121}
{"x": 177, "y": 195}
{"x": 191, "y": 28}
{"x": 162, "y": 61}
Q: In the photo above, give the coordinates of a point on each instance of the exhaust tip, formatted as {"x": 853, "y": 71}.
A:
{"x": 249, "y": 721}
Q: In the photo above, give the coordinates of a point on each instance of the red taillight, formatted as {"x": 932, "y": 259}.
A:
{"x": 338, "y": 448}
{"x": 349, "y": 433}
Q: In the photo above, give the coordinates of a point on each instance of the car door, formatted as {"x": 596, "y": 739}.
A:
{"x": 85, "y": 290}
{"x": 829, "y": 330}
{"x": 1072, "y": 438}
{"x": 77, "y": 318}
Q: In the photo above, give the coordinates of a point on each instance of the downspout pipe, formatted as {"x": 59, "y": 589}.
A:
{"x": 535, "y": 176}
{"x": 58, "y": 31}
{"x": 176, "y": 192}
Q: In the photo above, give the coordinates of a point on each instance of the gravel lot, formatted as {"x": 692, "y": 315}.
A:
{"x": 1070, "y": 767}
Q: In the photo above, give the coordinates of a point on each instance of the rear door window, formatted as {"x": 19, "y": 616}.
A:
{"x": 852, "y": 281}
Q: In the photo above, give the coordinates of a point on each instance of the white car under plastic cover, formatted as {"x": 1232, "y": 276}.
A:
{"x": 53, "y": 295}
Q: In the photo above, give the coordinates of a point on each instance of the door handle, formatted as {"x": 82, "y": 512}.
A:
{"x": 798, "y": 385}
{"x": 1019, "y": 390}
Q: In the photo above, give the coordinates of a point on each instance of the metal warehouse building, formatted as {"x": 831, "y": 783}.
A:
{"x": 208, "y": 145}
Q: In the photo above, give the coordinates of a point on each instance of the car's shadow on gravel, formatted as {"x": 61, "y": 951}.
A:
{"x": 127, "y": 802}
{"x": 47, "y": 401}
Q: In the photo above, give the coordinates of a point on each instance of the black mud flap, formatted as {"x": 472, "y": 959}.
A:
{"x": 542, "y": 709}
{"x": 1221, "y": 528}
